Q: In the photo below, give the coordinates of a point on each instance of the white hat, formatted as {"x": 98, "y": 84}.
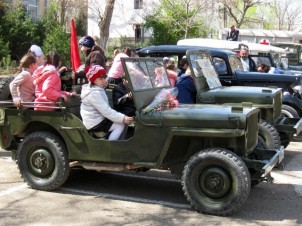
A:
{"x": 36, "y": 50}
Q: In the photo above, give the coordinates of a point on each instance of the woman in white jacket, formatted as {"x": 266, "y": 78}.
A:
{"x": 96, "y": 112}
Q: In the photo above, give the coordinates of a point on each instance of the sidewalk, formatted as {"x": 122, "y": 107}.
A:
{"x": 292, "y": 173}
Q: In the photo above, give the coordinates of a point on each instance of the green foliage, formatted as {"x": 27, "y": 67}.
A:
{"x": 81, "y": 24}
{"x": 170, "y": 23}
{"x": 8, "y": 66}
{"x": 19, "y": 31}
{"x": 4, "y": 50}
{"x": 56, "y": 38}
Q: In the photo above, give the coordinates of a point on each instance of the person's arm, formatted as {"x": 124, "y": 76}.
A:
{"x": 228, "y": 36}
{"x": 98, "y": 100}
{"x": 117, "y": 96}
{"x": 236, "y": 34}
{"x": 48, "y": 87}
{"x": 13, "y": 86}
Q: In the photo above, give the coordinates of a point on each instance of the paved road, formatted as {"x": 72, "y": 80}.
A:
{"x": 153, "y": 198}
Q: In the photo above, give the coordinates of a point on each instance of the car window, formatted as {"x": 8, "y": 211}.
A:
{"x": 235, "y": 63}
{"x": 261, "y": 60}
{"x": 220, "y": 66}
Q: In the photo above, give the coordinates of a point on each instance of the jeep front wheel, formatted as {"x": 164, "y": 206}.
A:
{"x": 216, "y": 181}
{"x": 268, "y": 136}
{"x": 43, "y": 161}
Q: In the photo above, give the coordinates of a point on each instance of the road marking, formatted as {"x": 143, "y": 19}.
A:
{"x": 13, "y": 189}
{"x": 127, "y": 198}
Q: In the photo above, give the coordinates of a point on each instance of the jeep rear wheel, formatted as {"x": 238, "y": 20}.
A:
{"x": 268, "y": 136}
{"x": 43, "y": 161}
{"x": 216, "y": 181}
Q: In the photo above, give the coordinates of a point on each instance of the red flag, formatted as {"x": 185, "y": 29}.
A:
{"x": 74, "y": 48}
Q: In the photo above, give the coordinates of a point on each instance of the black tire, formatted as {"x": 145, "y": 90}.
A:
{"x": 4, "y": 87}
{"x": 43, "y": 161}
{"x": 289, "y": 111}
{"x": 216, "y": 181}
{"x": 285, "y": 140}
{"x": 268, "y": 136}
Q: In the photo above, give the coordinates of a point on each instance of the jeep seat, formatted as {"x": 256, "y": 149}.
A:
{"x": 73, "y": 105}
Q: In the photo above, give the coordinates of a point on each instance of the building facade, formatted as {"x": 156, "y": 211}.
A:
{"x": 127, "y": 24}
{"x": 35, "y": 8}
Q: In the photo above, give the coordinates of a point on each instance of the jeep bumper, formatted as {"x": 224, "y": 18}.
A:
{"x": 263, "y": 161}
{"x": 291, "y": 126}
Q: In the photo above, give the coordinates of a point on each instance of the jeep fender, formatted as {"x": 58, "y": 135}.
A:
{"x": 293, "y": 102}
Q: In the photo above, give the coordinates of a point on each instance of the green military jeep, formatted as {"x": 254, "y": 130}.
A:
{"x": 212, "y": 148}
{"x": 269, "y": 100}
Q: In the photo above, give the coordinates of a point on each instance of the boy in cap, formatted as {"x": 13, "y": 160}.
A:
{"x": 94, "y": 55}
{"x": 96, "y": 112}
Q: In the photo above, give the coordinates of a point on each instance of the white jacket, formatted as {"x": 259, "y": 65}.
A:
{"x": 95, "y": 107}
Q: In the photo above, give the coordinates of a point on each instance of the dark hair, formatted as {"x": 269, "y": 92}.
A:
{"x": 264, "y": 67}
{"x": 182, "y": 62}
{"x": 127, "y": 51}
{"x": 27, "y": 60}
{"x": 53, "y": 58}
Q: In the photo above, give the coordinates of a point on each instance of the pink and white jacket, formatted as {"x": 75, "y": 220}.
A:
{"x": 48, "y": 87}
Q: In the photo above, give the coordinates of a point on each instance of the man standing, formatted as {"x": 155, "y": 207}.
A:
{"x": 233, "y": 34}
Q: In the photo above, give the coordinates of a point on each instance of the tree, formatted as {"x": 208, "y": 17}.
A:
{"x": 56, "y": 38}
{"x": 238, "y": 9}
{"x": 103, "y": 16}
{"x": 182, "y": 18}
{"x": 287, "y": 14}
{"x": 67, "y": 9}
{"x": 19, "y": 31}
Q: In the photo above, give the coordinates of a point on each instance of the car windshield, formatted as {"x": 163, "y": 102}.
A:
{"x": 146, "y": 73}
{"x": 235, "y": 63}
{"x": 277, "y": 59}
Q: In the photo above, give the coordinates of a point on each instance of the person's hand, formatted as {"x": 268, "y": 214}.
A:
{"x": 74, "y": 94}
{"x": 64, "y": 97}
{"x": 17, "y": 103}
{"x": 127, "y": 120}
{"x": 62, "y": 69}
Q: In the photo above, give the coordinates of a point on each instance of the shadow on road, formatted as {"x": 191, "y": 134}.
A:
{"x": 266, "y": 201}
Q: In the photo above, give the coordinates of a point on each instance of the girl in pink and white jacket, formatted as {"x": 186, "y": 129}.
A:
{"x": 22, "y": 87}
{"x": 48, "y": 84}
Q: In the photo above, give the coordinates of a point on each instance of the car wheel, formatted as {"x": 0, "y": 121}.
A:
{"x": 289, "y": 111}
{"x": 4, "y": 87}
{"x": 268, "y": 136}
{"x": 43, "y": 161}
{"x": 216, "y": 181}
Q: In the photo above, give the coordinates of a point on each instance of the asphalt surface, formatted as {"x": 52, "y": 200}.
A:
{"x": 151, "y": 198}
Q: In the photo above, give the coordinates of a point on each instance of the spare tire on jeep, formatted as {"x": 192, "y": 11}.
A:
{"x": 4, "y": 87}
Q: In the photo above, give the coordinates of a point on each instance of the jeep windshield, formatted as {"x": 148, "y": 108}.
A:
{"x": 147, "y": 73}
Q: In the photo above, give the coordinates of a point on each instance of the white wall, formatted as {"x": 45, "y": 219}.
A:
{"x": 123, "y": 18}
